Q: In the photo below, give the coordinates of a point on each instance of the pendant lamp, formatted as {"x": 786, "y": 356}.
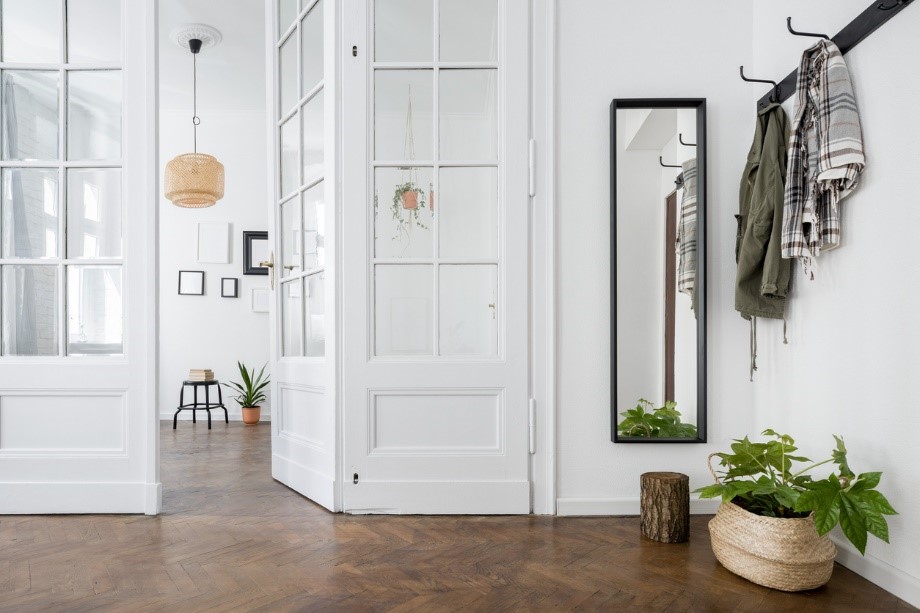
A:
{"x": 194, "y": 180}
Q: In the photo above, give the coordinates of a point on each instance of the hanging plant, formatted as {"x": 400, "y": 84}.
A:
{"x": 408, "y": 201}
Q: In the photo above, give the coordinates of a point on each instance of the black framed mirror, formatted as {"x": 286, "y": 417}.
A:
{"x": 658, "y": 270}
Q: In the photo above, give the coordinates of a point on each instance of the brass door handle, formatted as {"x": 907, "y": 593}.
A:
{"x": 270, "y": 265}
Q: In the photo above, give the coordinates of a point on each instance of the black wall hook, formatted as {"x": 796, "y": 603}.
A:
{"x": 881, "y": 5}
{"x": 813, "y": 34}
{"x": 680, "y": 139}
{"x": 776, "y": 91}
{"x": 663, "y": 165}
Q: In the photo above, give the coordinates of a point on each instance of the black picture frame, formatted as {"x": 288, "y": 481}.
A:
{"x": 229, "y": 287}
{"x": 187, "y": 277}
{"x": 250, "y": 239}
{"x": 701, "y": 276}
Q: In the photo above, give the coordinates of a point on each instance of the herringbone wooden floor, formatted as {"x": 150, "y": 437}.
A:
{"x": 231, "y": 538}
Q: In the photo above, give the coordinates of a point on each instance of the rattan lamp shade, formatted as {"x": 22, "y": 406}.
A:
{"x": 194, "y": 180}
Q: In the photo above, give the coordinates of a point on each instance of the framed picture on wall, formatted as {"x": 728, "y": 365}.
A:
{"x": 255, "y": 250}
{"x": 214, "y": 242}
{"x": 260, "y": 299}
{"x": 191, "y": 283}
{"x": 230, "y": 287}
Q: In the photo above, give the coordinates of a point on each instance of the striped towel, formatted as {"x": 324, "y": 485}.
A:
{"x": 686, "y": 234}
{"x": 825, "y": 154}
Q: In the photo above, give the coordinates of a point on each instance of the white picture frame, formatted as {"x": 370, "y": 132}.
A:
{"x": 214, "y": 242}
{"x": 260, "y": 299}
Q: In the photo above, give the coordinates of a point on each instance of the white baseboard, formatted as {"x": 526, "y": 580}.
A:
{"x": 44, "y": 498}
{"x": 623, "y": 506}
{"x": 904, "y": 586}
{"x": 216, "y": 416}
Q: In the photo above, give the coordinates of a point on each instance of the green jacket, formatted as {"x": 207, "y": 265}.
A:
{"x": 763, "y": 275}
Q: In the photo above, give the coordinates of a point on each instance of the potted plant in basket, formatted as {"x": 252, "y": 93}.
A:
{"x": 250, "y": 393}
{"x": 773, "y": 522}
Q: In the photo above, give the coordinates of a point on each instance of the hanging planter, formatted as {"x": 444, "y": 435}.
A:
{"x": 409, "y": 199}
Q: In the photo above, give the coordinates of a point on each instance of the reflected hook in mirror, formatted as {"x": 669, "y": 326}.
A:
{"x": 680, "y": 139}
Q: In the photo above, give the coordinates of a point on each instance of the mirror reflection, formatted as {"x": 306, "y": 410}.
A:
{"x": 659, "y": 299}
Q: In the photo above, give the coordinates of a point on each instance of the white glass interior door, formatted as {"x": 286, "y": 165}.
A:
{"x": 435, "y": 248}
{"x": 78, "y": 433}
{"x": 301, "y": 57}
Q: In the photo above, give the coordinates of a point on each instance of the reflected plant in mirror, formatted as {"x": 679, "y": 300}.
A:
{"x": 658, "y": 271}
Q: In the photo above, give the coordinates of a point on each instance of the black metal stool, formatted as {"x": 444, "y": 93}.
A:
{"x": 207, "y": 405}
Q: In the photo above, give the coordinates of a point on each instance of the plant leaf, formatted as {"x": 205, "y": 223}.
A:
{"x": 853, "y": 523}
{"x": 840, "y": 458}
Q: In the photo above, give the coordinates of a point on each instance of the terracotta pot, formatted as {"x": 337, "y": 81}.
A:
{"x": 251, "y": 415}
{"x": 410, "y": 200}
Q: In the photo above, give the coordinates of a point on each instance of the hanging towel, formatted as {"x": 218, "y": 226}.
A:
{"x": 686, "y": 233}
{"x": 825, "y": 154}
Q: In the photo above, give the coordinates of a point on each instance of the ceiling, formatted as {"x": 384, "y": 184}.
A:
{"x": 231, "y": 76}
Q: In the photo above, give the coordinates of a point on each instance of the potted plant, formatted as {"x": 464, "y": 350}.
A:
{"x": 773, "y": 522}
{"x": 250, "y": 393}
{"x": 661, "y": 422}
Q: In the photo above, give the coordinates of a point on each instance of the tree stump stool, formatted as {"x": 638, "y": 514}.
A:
{"x": 664, "y": 506}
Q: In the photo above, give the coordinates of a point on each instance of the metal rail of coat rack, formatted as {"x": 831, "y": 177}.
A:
{"x": 851, "y": 35}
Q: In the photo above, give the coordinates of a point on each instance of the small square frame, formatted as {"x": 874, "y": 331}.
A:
{"x": 260, "y": 299}
{"x": 229, "y": 287}
{"x": 191, "y": 283}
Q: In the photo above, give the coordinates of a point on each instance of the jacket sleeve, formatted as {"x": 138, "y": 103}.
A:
{"x": 777, "y": 273}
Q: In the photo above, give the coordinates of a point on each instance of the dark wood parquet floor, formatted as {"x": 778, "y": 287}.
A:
{"x": 232, "y": 539}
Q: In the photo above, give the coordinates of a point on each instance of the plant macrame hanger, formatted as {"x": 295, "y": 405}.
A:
{"x": 410, "y": 173}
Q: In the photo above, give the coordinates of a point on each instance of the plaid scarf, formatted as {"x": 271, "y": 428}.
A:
{"x": 686, "y": 233}
{"x": 825, "y": 154}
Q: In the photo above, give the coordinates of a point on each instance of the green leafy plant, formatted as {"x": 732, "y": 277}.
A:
{"x": 412, "y": 215}
{"x": 649, "y": 422}
{"x": 251, "y": 391}
{"x": 759, "y": 477}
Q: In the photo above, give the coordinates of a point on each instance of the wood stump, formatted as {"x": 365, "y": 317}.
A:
{"x": 664, "y": 511}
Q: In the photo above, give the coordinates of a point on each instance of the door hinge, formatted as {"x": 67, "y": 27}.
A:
{"x": 532, "y": 425}
{"x": 532, "y": 167}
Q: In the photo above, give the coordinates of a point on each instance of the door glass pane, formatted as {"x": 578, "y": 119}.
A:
{"x": 404, "y": 313}
{"x": 403, "y": 117}
{"x": 403, "y": 30}
{"x": 311, "y": 52}
{"x": 315, "y": 320}
{"x": 287, "y": 11}
{"x": 94, "y": 213}
{"x": 30, "y": 115}
{"x": 30, "y": 213}
{"x": 94, "y": 115}
{"x": 468, "y": 317}
{"x": 31, "y": 31}
{"x": 469, "y": 30}
{"x": 291, "y": 313}
{"x": 468, "y": 213}
{"x": 86, "y": 20}
{"x": 30, "y": 310}
{"x": 468, "y": 115}
{"x": 314, "y": 227}
{"x": 290, "y": 164}
{"x": 290, "y": 237}
{"x": 313, "y": 139}
{"x": 94, "y": 310}
{"x": 402, "y": 217}
{"x": 287, "y": 75}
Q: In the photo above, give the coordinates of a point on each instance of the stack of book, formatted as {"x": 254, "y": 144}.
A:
{"x": 201, "y": 374}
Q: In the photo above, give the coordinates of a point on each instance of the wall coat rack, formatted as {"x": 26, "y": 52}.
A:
{"x": 851, "y": 35}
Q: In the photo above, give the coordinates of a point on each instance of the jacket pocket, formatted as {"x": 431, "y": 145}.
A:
{"x": 738, "y": 237}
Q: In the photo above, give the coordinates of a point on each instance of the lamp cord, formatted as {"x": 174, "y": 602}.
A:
{"x": 195, "y": 119}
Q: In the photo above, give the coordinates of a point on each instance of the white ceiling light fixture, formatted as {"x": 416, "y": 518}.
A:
{"x": 194, "y": 180}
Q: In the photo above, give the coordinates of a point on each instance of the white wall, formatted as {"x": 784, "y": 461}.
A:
{"x": 210, "y": 331}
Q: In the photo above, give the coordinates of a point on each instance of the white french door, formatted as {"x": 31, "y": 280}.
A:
{"x": 302, "y": 94}
{"x": 78, "y": 429}
{"x": 435, "y": 253}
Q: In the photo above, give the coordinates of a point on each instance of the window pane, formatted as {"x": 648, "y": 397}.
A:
{"x": 87, "y": 20}
{"x": 311, "y": 40}
{"x": 30, "y": 213}
{"x": 314, "y": 227}
{"x": 468, "y": 212}
{"x": 94, "y": 213}
{"x": 468, "y": 115}
{"x": 94, "y": 305}
{"x": 32, "y": 31}
{"x": 290, "y": 167}
{"x": 404, "y": 313}
{"x": 94, "y": 115}
{"x": 30, "y": 115}
{"x": 291, "y": 313}
{"x": 403, "y": 30}
{"x": 30, "y": 310}
{"x": 397, "y": 136}
{"x": 315, "y": 320}
{"x": 468, "y": 324}
{"x": 290, "y": 237}
{"x": 287, "y": 11}
{"x": 313, "y": 139}
{"x": 469, "y": 30}
{"x": 402, "y": 218}
{"x": 287, "y": 75}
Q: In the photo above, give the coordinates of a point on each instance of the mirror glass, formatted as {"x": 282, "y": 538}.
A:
{"x": 658, "y": 151}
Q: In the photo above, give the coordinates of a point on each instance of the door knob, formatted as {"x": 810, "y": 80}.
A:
{"x": 270, "y": 265}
